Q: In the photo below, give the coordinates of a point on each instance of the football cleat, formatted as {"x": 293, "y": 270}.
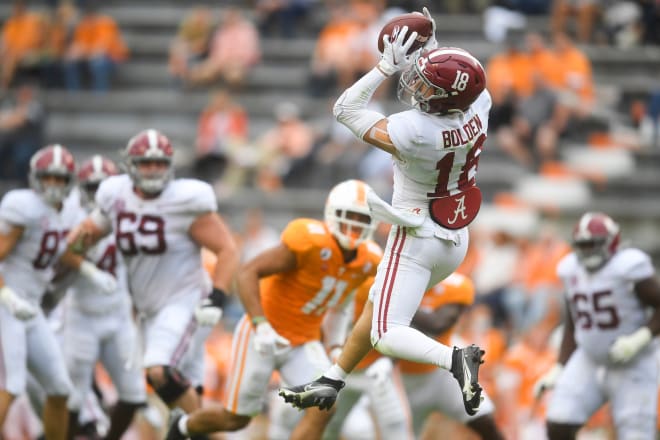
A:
{"x": 465, "y": 368}
{"x": 321, "y": 393}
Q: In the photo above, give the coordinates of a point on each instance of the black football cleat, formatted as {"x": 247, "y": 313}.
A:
{"x": 321, "y": 393}
{"x": 465, "y": 368}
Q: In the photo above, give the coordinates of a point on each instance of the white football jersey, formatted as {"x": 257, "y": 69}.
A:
{"x": 29, "y": 267}
{"x": 162, "y": 261}
{"x": 603, "y": 304}
{"x": 439, "y": 155}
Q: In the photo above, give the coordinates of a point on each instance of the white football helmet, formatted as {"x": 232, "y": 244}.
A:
{"x": 347, "y": 213}
{"x": 90, "y": 174}
{"x": 149, "y": 145}
{"x": 595, "y": 239}
{"x": 52, "y": 160}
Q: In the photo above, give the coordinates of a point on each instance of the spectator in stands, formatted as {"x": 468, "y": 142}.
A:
{"x": 190, "y": 46}
{"x": 235, "y": 49}
{"x": 531, "y": 138}
{"x": 650, "y": 22}
{"x": 284, "y": 15}
{"x": 222, "y": 129}
{"x": 59, "y": 27}
{"x": 97, "y": 47}
{"x": 22, "y": 120}
{"x": 576, "y": 87}
{"x": 586, "y": 13}
{"x": 20, "y": 47}
{"x": 509, "y": 78}
{"x": 284, "y": 149}
{"x": 330, "y": 66}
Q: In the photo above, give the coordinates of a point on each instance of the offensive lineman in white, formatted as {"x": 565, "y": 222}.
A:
{"x": 100, "y": 326}
{"x": 159, "y": 225}
{"x": 435, "y": 148}
{"x": 613, "y": 314}
{"x": 33, "y": 226}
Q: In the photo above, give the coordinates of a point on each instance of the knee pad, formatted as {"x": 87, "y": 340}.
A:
{"x": 173, "y": 386}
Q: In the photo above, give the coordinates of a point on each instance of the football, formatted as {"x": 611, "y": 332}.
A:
{"x": 415, "y": 21}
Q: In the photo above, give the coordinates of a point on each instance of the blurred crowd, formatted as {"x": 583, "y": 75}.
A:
{"x": 543, "y": 92}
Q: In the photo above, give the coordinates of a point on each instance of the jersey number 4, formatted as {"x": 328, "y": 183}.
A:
{"x": 137, "y": 234}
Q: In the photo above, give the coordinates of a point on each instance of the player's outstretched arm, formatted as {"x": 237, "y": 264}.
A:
{"x": 351, "y": 107}
{"x": 278, "y": 259}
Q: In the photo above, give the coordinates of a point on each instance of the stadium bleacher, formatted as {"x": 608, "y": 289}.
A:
{"x": 144, "y": 95}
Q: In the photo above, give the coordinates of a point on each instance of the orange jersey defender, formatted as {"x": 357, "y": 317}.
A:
{"x": 295, "y": 302}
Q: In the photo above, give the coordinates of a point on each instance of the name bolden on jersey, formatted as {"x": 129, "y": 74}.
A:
{"x": 459, "y": 137}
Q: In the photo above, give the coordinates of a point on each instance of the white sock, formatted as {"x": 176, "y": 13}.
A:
{"x": 183, "y": 429}
{"x": 411, "y": 344}
{"x": 336, "y": 373}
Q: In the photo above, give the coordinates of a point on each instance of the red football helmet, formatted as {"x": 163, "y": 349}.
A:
{"x": 595, "y": 239}
{"x": 149, "y": 146}
{"x": 52, "y": 160}
{"x": 91, "y": 173}
{"x": 442, "y": 81}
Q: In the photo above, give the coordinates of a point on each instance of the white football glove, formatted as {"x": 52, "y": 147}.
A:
{"x": 431, "y": 43}
{"x": 627, "y": 347}
{"x": 207, "y": 314}
{"x": 380, "y": 371}
{"x": 548, "y": 380}
{"x": 394, "y": 56}
{"x": 102, "y": 279}
{"x": 17, "y": 306}
{"x": 267, "y": 341}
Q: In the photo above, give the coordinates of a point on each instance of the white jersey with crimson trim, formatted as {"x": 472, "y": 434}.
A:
{"x": 29, "y": 266}
{"x": 162, "y": 261}
{"x": 603, "y": 304}
{"x": 433, "y": 151}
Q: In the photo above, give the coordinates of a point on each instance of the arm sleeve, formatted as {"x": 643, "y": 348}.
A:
{"x": 351, "y": 107}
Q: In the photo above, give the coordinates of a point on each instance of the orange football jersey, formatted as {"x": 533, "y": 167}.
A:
{"x": 295, "y": 302}
{"x": 455, "y": 289}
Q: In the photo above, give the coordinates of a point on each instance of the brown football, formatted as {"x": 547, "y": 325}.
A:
{"x": 415, "y": 21}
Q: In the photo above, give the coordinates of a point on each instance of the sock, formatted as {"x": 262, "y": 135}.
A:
{"x": 182, "y": 425}
{"x": 411, "y": 344}
{"x": 336, "y": 373}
